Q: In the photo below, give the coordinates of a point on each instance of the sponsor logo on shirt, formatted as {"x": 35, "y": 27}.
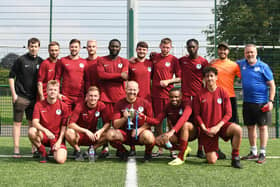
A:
{"x": 244, "y": 67}
{"x": 105, "y": 65}
{"x": 50, "y": 70}
{"x": 133, "y": 69}
{"x": 219, "y": 100}
{"x": 140, "y": 109}
{"x": 167, "y": 64}
{"x": 26, "y": 65}
{"x": 37, "y": 66}
{"x": 180, "y": 111}
{"x": 43, "y": 111}
{"x": 67, "y": 64}
{"x": 256, "y": 69}
{"x": 203, "y": 101}
{"x": 81, "y": 65}
{"x": 120, "y": 65}
{"x": 58, "y": 111}
{"x": 149, "y": 69}
{"x": 97, "y": 114}
{"x": 198, "y": 66}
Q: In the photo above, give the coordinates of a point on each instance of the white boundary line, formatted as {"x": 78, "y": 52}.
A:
{"x": 131, "y": 173}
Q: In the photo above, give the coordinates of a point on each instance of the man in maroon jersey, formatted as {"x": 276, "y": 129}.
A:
{"x": 140, "y": 70}
{"x": 82, "y": 128}
{"x": 212, "y": 111}
{"x": 47, "y": 70}
{"x": 71, "y": 70}
{"x": 49, "y": 124}
{"x": 129, "y": 126}
{"x": 192, "y": 66}
{"x": 165, "y": 66}
{"x": 181, "y": 131}
{"x": 91, "y": 78}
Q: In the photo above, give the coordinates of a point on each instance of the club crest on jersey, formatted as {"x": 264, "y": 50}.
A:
{"x": 97, "y": 114}
{"x": 180, "y": 111}
{"x": 244, "y": 67}
{"x": 140, "y": 109}
{"x": 167, "y": 64}
{"x": 58, "y": 111}
{"x": 37, "y": 66}
{"x": 198, "y": 66}
{"x": 120, "y": 65}
{"x": 81, "y": 65}
{"x": 149, "y": 69}
{"x": 256, "y": 69}
{"x": 219, "y": 100}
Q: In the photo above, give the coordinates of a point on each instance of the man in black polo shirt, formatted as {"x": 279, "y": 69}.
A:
{"x": 23, "y": 85}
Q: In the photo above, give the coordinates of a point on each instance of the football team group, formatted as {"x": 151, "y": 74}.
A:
{"x": 99, "y": 101}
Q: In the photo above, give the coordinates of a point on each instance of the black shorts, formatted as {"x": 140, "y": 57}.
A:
{"x": 234, "y": 117}
{"x": 252, "y": 114}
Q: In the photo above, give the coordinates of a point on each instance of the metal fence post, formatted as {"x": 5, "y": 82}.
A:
{"x": 277, "y": 112}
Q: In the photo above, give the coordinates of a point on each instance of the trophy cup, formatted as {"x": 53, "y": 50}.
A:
{"x": 131, "y": 112}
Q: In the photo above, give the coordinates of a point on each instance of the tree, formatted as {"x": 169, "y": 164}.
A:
{"x": 249, "y": 21}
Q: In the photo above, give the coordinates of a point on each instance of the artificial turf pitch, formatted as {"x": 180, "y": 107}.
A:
{"x": 27, "y": 171}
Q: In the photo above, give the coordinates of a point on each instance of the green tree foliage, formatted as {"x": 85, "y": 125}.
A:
{"x": 249, "y": 21}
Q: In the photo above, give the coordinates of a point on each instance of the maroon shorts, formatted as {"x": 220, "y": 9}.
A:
{"x": 211, "y": 144}
{"x": 159, "y": 105}
{"x": 49, "y": 143}
{"x": 128, "y": 139}
{"x": 84, "y": 140}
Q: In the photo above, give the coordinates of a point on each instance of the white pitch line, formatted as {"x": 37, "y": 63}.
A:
{"x": 131, "y": 173}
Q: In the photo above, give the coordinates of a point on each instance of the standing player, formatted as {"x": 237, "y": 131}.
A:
{"x": 71, "y": 70}
{"x": 165, "y": 66}
{"x": 82, "y": 128}
{"x": 181, "y": 131}
{"x": 49, "y": 124}
{"x": 258, "y": 95}
{"x": 127, "y": 114}
{"x": 192, "y": 66}
{"x": 23, "y": 86}
{"x": 212, "y": 110}
{"x": 47, "y": 70}
{"x": 112, "y": 72}
{"x": 91, "y": 78}
{"x": 228, "y": 70}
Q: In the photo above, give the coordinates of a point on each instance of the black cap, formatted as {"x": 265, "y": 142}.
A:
{"x": 223, "y": 44}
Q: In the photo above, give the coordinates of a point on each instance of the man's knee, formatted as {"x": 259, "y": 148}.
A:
{"x": 32, "y": 132}
{"x": 211, "y": 157}
{"x": 148, "y": 137}
{"x": 70, "y": 134}
{"x": 111, "y": 135}
{"x": 61, "y": 156}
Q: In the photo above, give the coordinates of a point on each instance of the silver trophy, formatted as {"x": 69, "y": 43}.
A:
{"x": 131, "y": 112}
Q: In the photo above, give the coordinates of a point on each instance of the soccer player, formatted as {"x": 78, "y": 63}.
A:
{"x": 228, "y": 70}
{"x": 165, "y": 66}
{"x": 47, "y": 70}
{"x": 23, "y": 86}
{"x": 192, "y": 66}
{"x": 49, "y": 124}
{"x": 82, "y": 128}
{"x": 71, "y": 70}
{"x": 181, "y": 131}
{"x": 91, "y": 78}
{"x": 129, "y": 127}
{"x": 212, "y": 111}
{"x": 258, "y": 95}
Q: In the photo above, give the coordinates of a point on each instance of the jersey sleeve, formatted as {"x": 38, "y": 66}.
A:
{"x": 186, "y": 114}
{"x": 58, "y": 70}
{"x": 196, "y": 110}
{"x": 102, "y": 74}
{"x": 227, "y": 111}
{"x": 105, "y": 114}
{"x": 36, "y": 111}
{"x": 41, "y": 73}
{"x": 75, "y": 114}
{"x": 15, "y": 69}
{"x": 267, "y": 73}
{"x": 177, "y": 68}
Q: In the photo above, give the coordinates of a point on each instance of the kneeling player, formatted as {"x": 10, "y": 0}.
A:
{"x": 181, "y": 131}
{"x": 130, "y": 128}
{"x": 212, "y": 111}
{"x": 49, "y": 124}
{"x": 82, "y": 128}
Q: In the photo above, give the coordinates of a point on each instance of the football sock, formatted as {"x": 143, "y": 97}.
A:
{"x": 149, "y": 148}
{"x": 132, "y": 147}
{"x": 118, "y": 145}
{"x": 262, "y": 150}
{"x": 183, "y": 147}
{"x": 42, "y": 150}
{"x": 234, "y": 153}
{"x": 254, "y": 150}
{"x": 199, "y": 145}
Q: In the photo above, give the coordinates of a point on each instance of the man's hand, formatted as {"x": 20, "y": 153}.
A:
{"x": 97, "y": 135}
{"x": 14, "y": 98}
{"x": 170, "y": 133}
{"x": 56, "y": 146}
{"x": 124, "y": 75}
{"x": 49, "y": 134}
{"x": 126, "y": 114}
{"x": 42, "y": 98}
{"x": 90, "y": 135}
{"x": 164, "y": 83}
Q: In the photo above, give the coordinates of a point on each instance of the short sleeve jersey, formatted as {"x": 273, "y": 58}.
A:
{"x": 91, "y": 78}
{"x": 227, "y": 71}
{"x": 212, "y": 107}
{"x": 141, "y": 73}
{"x": 111, "y": 83}
{"x": 163, "y": 69}
{"x": 46, "y": 72}
{"x": 72, "y": 74}
{"x": 88, "y": 117}
{"x": 51, "y": 116}
{"x": 254, "y": 81}
{"x": 140, "y": 105}
{"x": 192, "y": 74}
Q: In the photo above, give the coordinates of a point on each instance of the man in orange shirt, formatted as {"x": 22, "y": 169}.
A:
{"x": 227, "y": 71}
